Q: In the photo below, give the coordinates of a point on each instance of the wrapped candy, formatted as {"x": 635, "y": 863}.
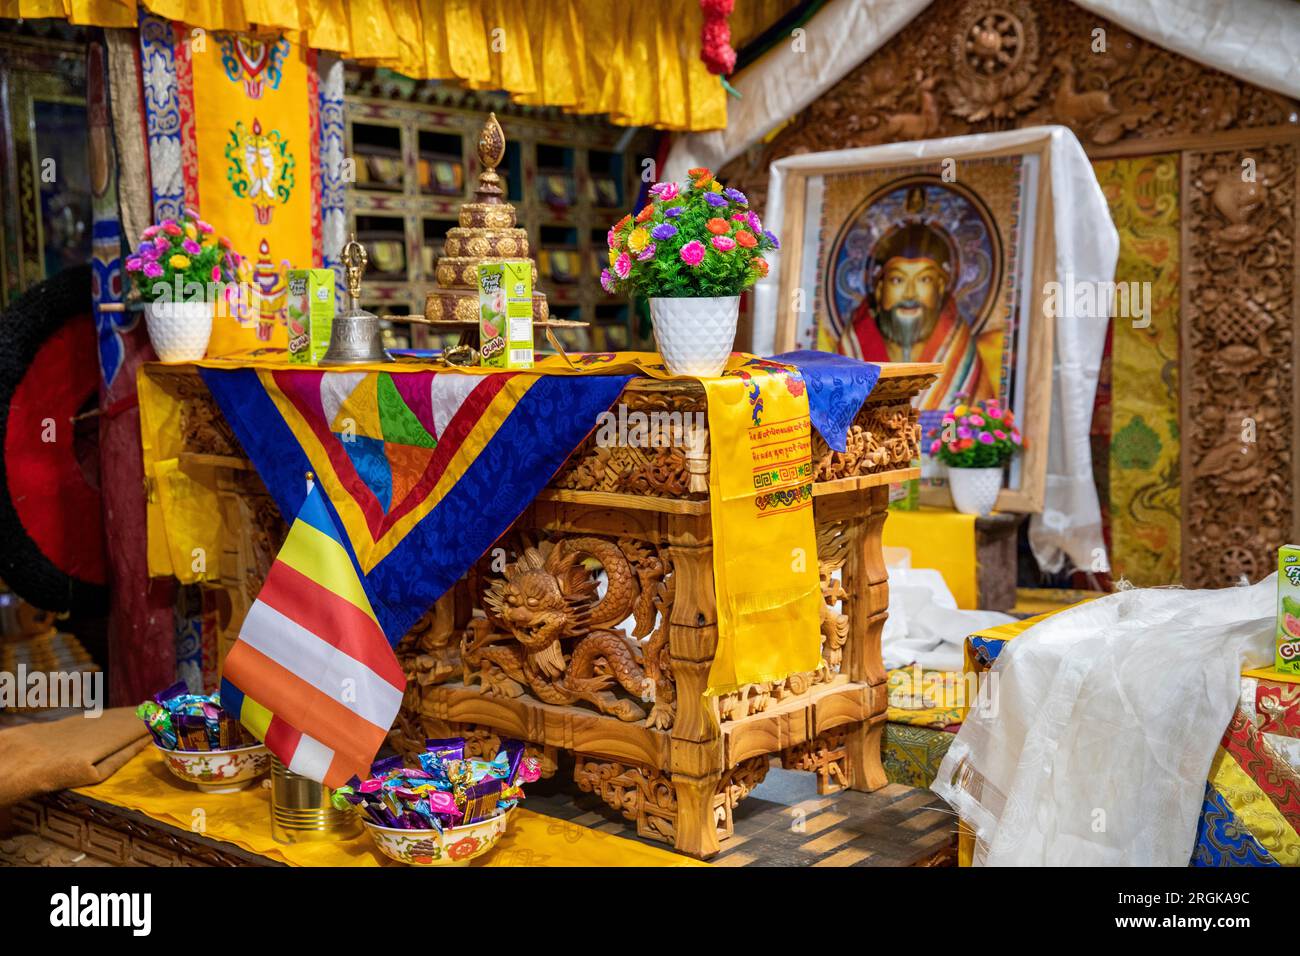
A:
{"x": 446, "y": 790}
{"x": 179, "y": 720}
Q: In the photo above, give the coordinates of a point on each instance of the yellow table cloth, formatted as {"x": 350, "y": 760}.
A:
{"x": 941, "y": 539}
{"x": 244, "y": 819}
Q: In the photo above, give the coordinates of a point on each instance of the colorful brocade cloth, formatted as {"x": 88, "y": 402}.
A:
{"x": 244, "y": 819}
{"x": 424, "y": 468}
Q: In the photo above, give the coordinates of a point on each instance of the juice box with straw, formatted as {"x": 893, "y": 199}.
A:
{"x": 505, "y": 298}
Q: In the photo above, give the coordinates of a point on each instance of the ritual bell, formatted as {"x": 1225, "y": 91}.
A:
{"x": 355, "y": 337}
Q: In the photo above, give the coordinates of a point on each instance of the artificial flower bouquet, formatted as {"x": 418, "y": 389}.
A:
{"x": 182, "y": 270}
{"x": 979, "y": 435}
{"x": 691, "y": 251}
{"x": 184, "y": 253}
{"x": 695, "y": 239}
{"x": 975, "y": 441}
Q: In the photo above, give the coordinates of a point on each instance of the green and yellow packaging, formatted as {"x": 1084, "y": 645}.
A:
{"x": 309, "y": 309}
{"x": 1288, "y": 609}
{"x": 505, "y": 301}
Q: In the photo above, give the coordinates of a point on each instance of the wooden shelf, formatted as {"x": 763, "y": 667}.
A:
{"x": 588, "y": 148}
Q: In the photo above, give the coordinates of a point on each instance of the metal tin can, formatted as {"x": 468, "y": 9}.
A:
{"x": 301, "y": 811}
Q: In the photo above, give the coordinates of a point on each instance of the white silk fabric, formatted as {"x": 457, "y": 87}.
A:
{"x": 1094, "y": 736}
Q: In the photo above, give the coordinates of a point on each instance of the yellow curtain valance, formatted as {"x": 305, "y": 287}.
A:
{"x": 638, "y": 62}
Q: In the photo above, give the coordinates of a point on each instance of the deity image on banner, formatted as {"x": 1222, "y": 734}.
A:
{"x": 933, "y": 262}
{"x": 913, "y": 275}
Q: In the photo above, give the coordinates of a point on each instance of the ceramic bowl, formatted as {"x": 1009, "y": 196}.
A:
{"x": 218, "y": 771}
{"x": 455, "y": 846}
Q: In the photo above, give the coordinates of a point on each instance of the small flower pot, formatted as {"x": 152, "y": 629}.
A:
{"x": 695, "y": 336}
{"x": 974, "y": 490}
{"x": 179, "y": 331}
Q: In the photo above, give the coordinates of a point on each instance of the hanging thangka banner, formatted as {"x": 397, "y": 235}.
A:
{"x": 1142, "y": 193}
{"x": 250, "y": 147}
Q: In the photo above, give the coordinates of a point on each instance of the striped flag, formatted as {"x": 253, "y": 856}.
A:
{"x": 312, "y": 673}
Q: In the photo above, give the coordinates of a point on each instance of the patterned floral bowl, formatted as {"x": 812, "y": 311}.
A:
{"x": 455, "y": 846}
{"x": 218, "y": 771}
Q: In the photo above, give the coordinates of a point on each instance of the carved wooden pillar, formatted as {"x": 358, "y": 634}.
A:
{"x": 696, "y": 748}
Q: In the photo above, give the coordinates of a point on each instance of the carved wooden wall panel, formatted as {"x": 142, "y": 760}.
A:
{"x": 977, "y": 66}
{"x": 1239, "y": 367}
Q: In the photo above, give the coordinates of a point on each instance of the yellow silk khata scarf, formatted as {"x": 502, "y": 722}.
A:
{"x": 760, "y": 490}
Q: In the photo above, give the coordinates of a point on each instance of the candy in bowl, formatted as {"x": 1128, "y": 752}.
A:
{"x": 453, "y": 846}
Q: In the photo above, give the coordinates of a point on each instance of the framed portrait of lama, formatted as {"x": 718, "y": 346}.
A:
{"x": 944, "y": 259}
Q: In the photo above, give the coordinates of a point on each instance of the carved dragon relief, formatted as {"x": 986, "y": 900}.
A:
{"x": 549, "y": 632}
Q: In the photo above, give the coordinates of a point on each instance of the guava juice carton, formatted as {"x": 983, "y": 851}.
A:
{"x": 1288, "y": 609}
{"x": 309, "y": 314}
{"x": 505, "y": 307}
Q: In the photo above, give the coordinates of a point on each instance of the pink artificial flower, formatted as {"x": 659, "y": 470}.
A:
{"x": 692, "y": 253}
{"x": 611, "y": 239}
{"x": 1015, "y": 436}
{"x": 149, "y": 233}
{"x": 724, "y": 243}
{"x": 986, "y": 438}
{"x": 999, "y": 434}
{"x": 148, "y": 251}
{"x": 162, "y": 244}
{"x": 664, "y": 191}
{"x": 606, "y": 280}
{"x": 171, "y": 228}
{"x": 133, "y": 264}
{"x": 947, "y": 418}
{"x": 152, "y": 269}
{"x": 934, "y": 447}
{"x": 976, "y": 420}
{"x": 647, "y": 253}
{"x": 203, "y": 227}
{"x": 216, "y": 273}
{"x": 192, "y": 247}
{"x": 623, "y": 265}
{"x": 741, "y": 217}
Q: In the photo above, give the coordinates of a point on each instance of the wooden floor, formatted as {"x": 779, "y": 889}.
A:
{"x": 784, "y": 822}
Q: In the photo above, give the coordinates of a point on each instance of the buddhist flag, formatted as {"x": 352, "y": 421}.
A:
{"x": 312, "y": 673}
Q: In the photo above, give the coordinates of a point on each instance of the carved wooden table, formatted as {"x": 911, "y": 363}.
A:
{"x": 484, "y": 662}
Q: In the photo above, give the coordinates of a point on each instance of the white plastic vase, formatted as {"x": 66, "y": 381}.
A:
{"x": 179, "y": 331}
{"x": 974, "y": 490}
{"x": 695, "y": 335}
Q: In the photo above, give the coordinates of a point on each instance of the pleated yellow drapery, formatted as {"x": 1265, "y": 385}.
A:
{"x": 638, "y": 62}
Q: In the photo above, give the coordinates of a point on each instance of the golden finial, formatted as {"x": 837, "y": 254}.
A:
{"x": 354, "y": 259}
{"x": 491, "y": 150}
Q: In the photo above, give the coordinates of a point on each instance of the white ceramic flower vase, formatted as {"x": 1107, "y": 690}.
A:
{"x": 695, "y": 335}
{"x": 179, "y": 331}
{"x": 974, "y": 490}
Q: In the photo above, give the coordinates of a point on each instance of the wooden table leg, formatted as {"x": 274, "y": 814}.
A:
{"x": 869, "y": 587}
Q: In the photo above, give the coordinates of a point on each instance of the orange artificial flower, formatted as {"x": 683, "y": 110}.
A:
{"x": 745, "y": 239}
{"x": 700, "y": 172}
{"x": 618, "y": 226}
{"x": 760, "y": 266}
{"x": 719, "y": 227}
{"x": 645, "y": 213}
